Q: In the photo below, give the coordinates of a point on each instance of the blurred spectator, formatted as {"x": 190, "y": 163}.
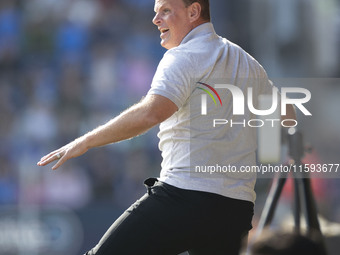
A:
{"x": 72, "y": 188}
{"x": 8, "y": 184}
{"x": 284, "y": 243}
{"x": 10, "y": 33}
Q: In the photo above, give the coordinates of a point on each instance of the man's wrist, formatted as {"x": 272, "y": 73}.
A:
{"x": 86, "y": 141}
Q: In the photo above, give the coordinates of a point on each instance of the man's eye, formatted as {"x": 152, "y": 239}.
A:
{"x": 166, "y": 10}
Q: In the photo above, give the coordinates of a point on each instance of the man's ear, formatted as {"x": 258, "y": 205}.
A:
{"x": 194, "y": 11}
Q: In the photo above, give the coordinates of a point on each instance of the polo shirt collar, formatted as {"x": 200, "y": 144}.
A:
{"x": 203, "y": 29}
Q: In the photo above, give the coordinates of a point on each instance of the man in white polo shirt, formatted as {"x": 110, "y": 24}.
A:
{"x": 185, "y": 210}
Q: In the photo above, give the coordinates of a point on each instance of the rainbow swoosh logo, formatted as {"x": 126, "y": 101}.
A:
{"x": 209, "y": 93}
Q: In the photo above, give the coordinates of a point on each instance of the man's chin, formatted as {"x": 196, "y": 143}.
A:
{"x": 166, "y": 45}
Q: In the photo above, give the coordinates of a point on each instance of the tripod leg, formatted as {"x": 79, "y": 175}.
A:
{"x": 297, "y": 207}
{"x": 311, "y": 211}
{"x": 271, "y": 203}
{"x": 312, "y": 221}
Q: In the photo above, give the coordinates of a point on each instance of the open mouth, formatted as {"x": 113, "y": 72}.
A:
{"x": 164, "y": 30}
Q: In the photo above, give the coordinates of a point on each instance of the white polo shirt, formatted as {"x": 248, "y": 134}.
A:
{"x": 189, "y": 142}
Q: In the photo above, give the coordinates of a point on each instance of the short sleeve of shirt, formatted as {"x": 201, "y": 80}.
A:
{"x": 267, "y": 85}
{"x": 172, "y": 78}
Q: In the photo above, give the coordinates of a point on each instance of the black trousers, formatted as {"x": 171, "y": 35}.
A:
{"x": 168, "y": 220}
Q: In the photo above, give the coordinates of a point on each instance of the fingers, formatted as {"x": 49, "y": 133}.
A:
{"x": 48, "y": 158}
{"x": 71, "y": 150}
{"x": 61, "y": 161}
{"x": 54, "y": 155}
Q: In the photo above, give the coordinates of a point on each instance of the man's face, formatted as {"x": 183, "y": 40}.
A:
{"x": 173, "y": 21}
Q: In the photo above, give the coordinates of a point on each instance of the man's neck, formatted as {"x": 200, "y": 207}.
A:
{"x": 198, "y": 23}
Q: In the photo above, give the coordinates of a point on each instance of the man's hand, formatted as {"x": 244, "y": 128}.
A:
{"x": 71, "y": 150}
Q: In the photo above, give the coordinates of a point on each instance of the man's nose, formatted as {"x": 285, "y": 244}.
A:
{"x": 156, "y": 20}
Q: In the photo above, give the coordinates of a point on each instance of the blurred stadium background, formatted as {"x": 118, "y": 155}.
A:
{"x": 67, "y": 66}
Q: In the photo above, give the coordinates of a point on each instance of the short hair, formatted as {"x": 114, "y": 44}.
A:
{"x": 205, "y": 13}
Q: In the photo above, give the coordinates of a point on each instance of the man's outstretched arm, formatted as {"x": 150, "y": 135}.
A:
{"x": 150, "y": 111}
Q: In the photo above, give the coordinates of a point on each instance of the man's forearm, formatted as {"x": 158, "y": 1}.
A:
{"x": 132, "y": 122}
{"x": 136, "y": 120}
